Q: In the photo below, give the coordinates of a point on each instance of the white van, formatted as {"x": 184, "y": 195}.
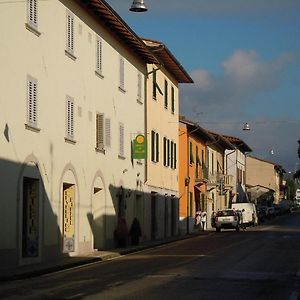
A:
{"x": 249, "y": 215}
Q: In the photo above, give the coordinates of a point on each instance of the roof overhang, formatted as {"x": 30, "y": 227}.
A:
{"x": 168, "y": 60}
{"x": 107, "y": 17}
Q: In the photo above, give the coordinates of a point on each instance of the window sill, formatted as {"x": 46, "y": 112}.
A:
{"x": 70, "y": 55}
{"x": 32, "y": 128}
{"x": 122, "y": 90}
{"x": 121, "y": 157}
{"x": 100, "y": 150}
{"x": 99, "y": 74}
{"x": 70, "y": 141}
{"x": 32, "y": 29}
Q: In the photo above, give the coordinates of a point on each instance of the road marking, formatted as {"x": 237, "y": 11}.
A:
{"x": 77, "y": 296}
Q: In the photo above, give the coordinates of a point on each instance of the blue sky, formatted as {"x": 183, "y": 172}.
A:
{"x": 244, "y": 57}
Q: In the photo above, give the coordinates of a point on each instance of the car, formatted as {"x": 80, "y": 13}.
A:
{"x": 227, "y": 219}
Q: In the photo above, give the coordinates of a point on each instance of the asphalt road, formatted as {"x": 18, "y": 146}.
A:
{"x": 260, "y": 263}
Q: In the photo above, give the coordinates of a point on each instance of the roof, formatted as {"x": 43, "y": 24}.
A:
{"x": 238, "y": 143}
{"x": 168, "y": 60}
{"x": 223, "y": 142}
{"x": 106, "y": 16}
{"x": 195, "y": 128}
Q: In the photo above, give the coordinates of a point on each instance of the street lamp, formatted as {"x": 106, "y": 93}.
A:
{"x": 138, "y": 6}
{"x": 246, "y": 126}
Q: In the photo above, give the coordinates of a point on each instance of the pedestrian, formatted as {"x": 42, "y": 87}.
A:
{"x": 243, "y": 225}
{"x": 135, "y": 232}
{"x": 203, "y": 220}
{"x": 213, "y": 219}
{"x": 198, "y": 220}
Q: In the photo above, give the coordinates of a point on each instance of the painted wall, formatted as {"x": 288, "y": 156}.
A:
{"x": 162, "y": 180}
{"x": 192, "y": 187}
{"x": 263, "y": 173}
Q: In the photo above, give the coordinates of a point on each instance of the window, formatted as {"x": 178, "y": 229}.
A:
{"x": 154, "y": 146}
{"x": 99, "y": 55}
{"x": 107, "y": 133}
{"x": 139, "y": 87}
{"x": 121, "y": 140}
{"x": 70, "y": 118}
{"x": 30, "y": 220}
{"x": 99, "y": 132}
{"x": 172, "y": 100}
{"x": 166, "y": 94}
{"x": 197, "y": 162}
{"x": 165, "y": 151}
{"x": 168, "y": 152}
{"x": 70, "y": 33}
{"x": 174, "y": 156}
{"x": 121, "y": 74}
{"x": 31, "y": 102}
{"x": 191, "y": 153}
{"x": 154, "y": 84}
{"x": 32, "y": 14}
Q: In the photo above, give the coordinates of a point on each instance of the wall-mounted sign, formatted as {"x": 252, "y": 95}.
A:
{"x": 139, "y": 150}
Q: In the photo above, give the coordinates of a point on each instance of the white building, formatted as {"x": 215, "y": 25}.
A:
{"x": 235, "y": 165}
{"x": 72, "y": 100}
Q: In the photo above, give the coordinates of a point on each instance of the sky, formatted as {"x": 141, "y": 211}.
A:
{"x": 244, "y": 58}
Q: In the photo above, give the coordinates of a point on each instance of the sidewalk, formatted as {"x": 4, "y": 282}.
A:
{"x": 96, "y": 256}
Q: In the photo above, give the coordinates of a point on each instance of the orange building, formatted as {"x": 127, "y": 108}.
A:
{"x": 192, "y": 172}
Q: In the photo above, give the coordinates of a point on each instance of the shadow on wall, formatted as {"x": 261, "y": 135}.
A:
{"x": 29, "y": 228}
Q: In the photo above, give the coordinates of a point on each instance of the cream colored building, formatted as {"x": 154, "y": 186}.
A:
{"x": 235, "y": 165}
{"x": 72, "y": 100}
{"x": 262, "y": 173}
{"x": 162, "y": 121}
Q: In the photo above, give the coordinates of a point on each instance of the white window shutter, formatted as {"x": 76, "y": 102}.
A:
{"x": 139, "y": 86}
{"x": 99, "y": 131}
{"x": 107, "y": 133}
{"x": 121, "y": 139}
{"x": 32, "y": 15}
{"x": 32, "y": 101}
{"x": 99, "y": 55}
{"x": 70, "y": 118}
{"x": 122, "y": 79}
{"x": 70, "y": 33}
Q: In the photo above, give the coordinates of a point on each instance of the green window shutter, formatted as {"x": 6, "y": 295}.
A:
{"x": 172, "y": 155}
{"x": 154, "y": 84}
{"x": 191, "y": 153}
{"x": 157, "y": 147}
{"x": 175, "y": 156}
{"x": 166, "y": 94}
{"x": 152, "y": 145}
{"x": 168, "y": 152}
{"x": 165, "y": 151}
{"x": 172, "y": 100}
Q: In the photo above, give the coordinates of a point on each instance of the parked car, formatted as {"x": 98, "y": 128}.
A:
{"x": 227, "y": 219}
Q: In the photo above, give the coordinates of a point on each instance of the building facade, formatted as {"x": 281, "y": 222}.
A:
{"x": 73, "y": 99}
{"x": 266, "y": 174}
{"x": 193, "y": 173}
{"x": 162, "y": 119}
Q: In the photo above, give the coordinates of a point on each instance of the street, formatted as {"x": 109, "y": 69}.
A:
{"x": 259, "y": 263}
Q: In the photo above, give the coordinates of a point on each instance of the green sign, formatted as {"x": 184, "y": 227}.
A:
{"x": 139, "y": 147}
